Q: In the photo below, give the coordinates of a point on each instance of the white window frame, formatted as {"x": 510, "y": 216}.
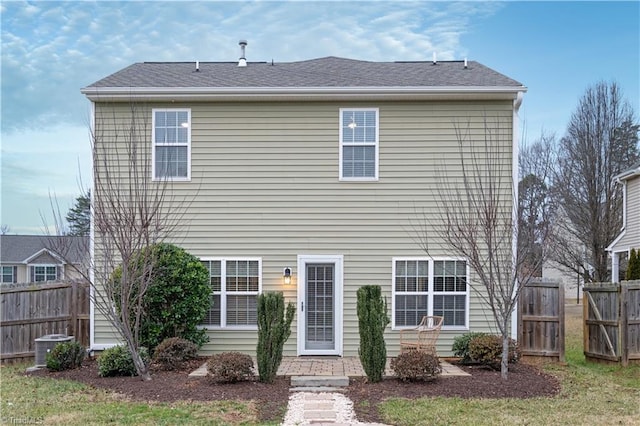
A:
{"x": 430, "y": 290}
{"x": 32, "y": 272}
{"x": 13, "y": 274}
{"x": 376, "y": 146}
{"x": 155, "y": 145}
{"x": 224, "y": 293}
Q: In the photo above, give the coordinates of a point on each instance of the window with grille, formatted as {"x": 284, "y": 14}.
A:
{"x": 9, "y": 274}
{"x": 44, "y": 273}
{"x": 359, "y": 144}
{"x": 430, "y": 287}
{"x": 235, "y": 285}
{"x": 171, "y": 144}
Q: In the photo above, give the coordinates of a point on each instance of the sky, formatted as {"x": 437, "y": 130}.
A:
{"x": 50, "y": 50}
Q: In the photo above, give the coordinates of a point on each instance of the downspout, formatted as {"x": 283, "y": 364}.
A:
{"x": 514, "y": 211}
{"x": 92, "y": 317}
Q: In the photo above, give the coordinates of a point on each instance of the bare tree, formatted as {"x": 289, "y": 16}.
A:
{"x": 478, "y": 220}
{"x": 601, "y": 141}
{"x": 536, "y": 211}
{"x": 4, "y": 229}
{"x": 130, "y": 213}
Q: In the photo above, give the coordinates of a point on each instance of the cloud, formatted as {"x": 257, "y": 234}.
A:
{"x": 51, "y": 50}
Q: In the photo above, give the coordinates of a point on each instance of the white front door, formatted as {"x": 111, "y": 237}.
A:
{"x": 319, "y": 305}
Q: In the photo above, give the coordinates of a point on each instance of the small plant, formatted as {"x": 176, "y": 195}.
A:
{"x": 230, "y": 367}
{"x": 372, "y": 320}
{"x": 65, "y": 356}
{"x": 274, "y": 328}
{"x": 412, "y": 366}
{"x": 487, "y": 350}
{"x": 460, "y": 346}
{"x": 171, "y": 353}
{"x": 117, "y": 361}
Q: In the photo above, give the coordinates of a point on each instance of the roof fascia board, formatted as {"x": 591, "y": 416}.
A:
{"x": 290, "y": 93}
{"x": 626, "y": 175}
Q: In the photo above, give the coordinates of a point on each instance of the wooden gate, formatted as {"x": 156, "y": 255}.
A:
{"x": 541, "y": 320}
{"x": 612, "y": 322}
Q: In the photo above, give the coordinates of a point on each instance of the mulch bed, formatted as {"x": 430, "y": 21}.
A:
{"x": 271, "y": 399}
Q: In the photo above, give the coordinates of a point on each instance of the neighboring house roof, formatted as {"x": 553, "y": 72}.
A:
{"x": 157, "y": 78}
{"x": 23, "y": 248}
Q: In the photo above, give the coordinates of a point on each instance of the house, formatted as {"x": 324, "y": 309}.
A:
{"x": 305, "y": 177}
{"x": 630, "y": 235}
{"x": 38, "y": 258}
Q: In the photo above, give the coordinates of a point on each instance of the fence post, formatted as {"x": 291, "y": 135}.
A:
{"x": 74, "y": 308}
{"x": 623, "y": 325}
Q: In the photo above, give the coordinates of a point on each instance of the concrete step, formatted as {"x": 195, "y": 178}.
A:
{"x": 319, "y": 381}
{"x": 317, "y": 389}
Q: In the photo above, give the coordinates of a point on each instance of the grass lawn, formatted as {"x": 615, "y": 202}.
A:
{"x": 37, "y": 400}
{"x": 592, "y": 394}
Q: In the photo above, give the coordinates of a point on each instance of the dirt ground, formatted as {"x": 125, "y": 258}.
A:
{"x": 271, "y": 399}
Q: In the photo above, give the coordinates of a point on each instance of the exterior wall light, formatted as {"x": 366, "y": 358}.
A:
{"x": 286, "y": 275}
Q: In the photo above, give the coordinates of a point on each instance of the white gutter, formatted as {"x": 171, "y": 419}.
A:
{"x": 286, "y": 93}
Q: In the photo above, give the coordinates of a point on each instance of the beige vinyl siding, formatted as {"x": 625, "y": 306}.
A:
{"x": 264, "y": 183}
{"x": 631, "y": 238}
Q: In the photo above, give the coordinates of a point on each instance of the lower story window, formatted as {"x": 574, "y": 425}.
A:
{"x": 235, "y": 285}
{"x": 44, "y": 273}
{"x": 430, "y": 287}
{"x": 9, "y": 274}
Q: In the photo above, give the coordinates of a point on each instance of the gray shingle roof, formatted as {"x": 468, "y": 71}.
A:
{"x": 322, "y": 72}
{"x": 18, "y": 248}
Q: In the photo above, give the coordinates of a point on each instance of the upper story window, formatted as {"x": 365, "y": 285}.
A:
{"x": 171, "y": 144}
{"x": 9, "y": 274}
{"x": 430, "y": 287}
{"x": 235, "y": 285}
{"x": 44, "y": 273}
{"x": 359, "y": 144}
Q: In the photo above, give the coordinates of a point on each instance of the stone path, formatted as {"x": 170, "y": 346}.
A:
{"x": 315, "y": 394}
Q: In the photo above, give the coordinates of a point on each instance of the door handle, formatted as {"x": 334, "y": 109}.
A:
{"x": 301, "y": 306}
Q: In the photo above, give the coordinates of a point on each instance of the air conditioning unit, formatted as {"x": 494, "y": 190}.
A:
{"x": 45, "y": 343}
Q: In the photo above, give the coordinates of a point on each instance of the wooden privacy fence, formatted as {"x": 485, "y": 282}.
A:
{"x": 541, "y": 320}
{"x": 30, "y": 311}
{"x": 612, "y": 322}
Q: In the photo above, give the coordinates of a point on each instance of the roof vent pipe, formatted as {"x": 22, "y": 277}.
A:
{"x": 434, "y": 58}
{"x": 197, "y": 66}
{"x": 243, "y": 60}
{"x": 465, "y": 63}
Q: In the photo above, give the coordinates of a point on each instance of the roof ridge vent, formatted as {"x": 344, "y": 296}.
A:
{"x": 242, "y": 62}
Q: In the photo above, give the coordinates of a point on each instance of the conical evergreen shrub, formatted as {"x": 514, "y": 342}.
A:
{"x": 274, "y": 328}
{"x": 372, "y": 320}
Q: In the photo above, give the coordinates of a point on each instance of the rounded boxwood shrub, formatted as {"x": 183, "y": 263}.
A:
{"x": 230, "y": 367}
{"x": 487, "y": 350}
{"x": 117, "y": 361}
{"x": 171, "y": 353}
{"x": 177, "y": 299}
{"x": 416, "y": 365}
{"x": 460, "y": 346}
{"x": 65, "y": 356}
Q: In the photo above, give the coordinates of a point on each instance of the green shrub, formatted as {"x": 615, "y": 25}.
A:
{"x": 177, "y": 298}
{"x": 633, "y": 267}
{"x": 117, "y": 361}
{"x": 487, "y": 350}
{"x": 415, "y": 365}
{"x": 171, "y": 353}
{"x": 65, "y": 356}
{"x": 274, "y": 328}
{"x": 372, "y": 320}
{"x": 460, "y": 346}
{"x": 230, "y": 367}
